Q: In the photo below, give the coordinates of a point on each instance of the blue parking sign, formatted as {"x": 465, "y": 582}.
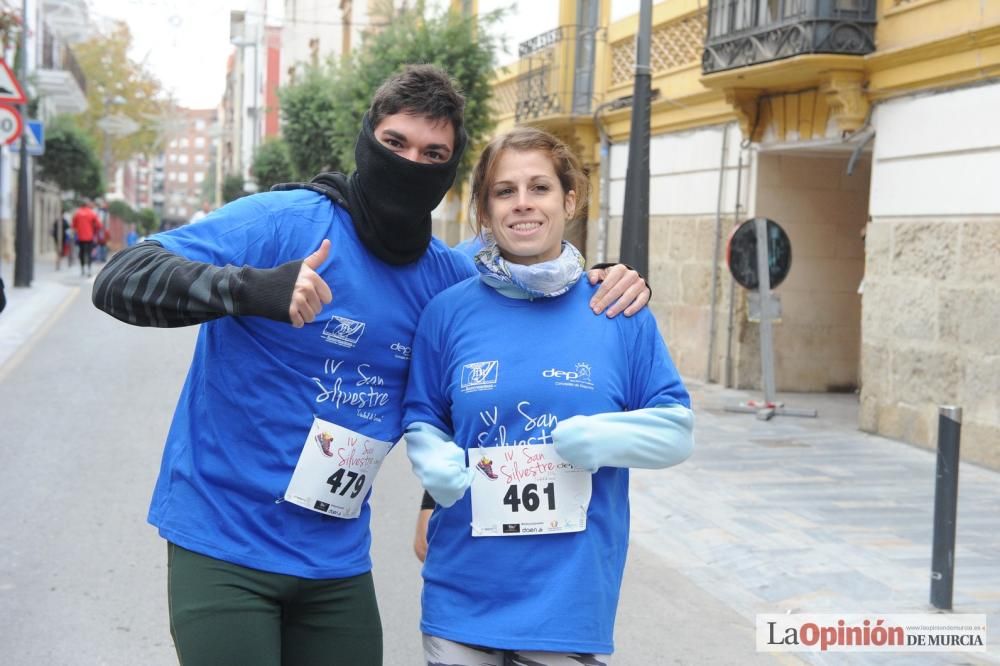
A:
{"x": 34, "y": 135}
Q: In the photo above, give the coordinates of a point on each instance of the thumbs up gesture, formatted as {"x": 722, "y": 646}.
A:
{"x": 310, "y": 292}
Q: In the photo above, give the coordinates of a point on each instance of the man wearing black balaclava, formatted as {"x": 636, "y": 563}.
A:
{"x": 280, "y": 430}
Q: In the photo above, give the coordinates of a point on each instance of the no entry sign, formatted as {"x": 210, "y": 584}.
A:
{"x": 741, "y": 254}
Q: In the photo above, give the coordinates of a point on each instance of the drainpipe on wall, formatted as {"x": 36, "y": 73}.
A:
{"x": 605, "y": 186}
{"x": 715, "y": 255}
{"x": 604, "y": 210}
{"x": 732, "y": 283}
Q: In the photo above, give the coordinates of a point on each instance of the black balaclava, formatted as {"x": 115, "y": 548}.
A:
{"x": 391, "y": 198}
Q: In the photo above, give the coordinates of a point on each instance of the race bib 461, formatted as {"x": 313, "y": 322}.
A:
{"x": 524, "y": 490}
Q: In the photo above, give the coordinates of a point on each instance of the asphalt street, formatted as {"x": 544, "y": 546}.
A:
{"x": 86, "y": 403}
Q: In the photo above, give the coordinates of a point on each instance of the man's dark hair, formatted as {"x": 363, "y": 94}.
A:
{"x": 422, "y": 90}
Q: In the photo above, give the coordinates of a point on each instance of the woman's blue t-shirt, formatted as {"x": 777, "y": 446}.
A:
{"x": 497, "y": 371}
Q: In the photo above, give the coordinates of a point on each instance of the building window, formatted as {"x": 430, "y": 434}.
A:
{"x": 173, "y": 143}
{"x": 199, "y": 159}
{"x": 182, "y": 177}
{"x": 182, "y": 158}
{"x": 199, "y": 142}
{"x": 172, "y": 176}
{"x": 198, "y": 177}
{"x": 172, "y": 158}
{"x": 199, "y": 125}
{"x": 184, "y": 143}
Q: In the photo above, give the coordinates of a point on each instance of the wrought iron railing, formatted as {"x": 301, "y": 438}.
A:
{"x": 555, "y": 73}
{"x": 58, "y": 56}
{"x": 750, "y": 32}
{"x": 539, "y": 42}
{"x": 70, "y": 64}
{"x": 538, "y": 91}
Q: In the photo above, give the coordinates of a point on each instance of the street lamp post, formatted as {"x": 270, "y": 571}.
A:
{"x": 24, "y": 260}
{"x": 635, "y": 217}
{"x": 110, "y": 125}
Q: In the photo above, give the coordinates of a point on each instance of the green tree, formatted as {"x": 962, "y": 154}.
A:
{"x": 70, "y": 160}
{"x": 272, "y": 165}
{"x": 232, "y": 188}
{"x": 118, "y": 86}
{"x": 310, "y": 108}
{"x": 122, "y": 211}
{"x": 323, "y": 111}
{"x": 146, "y": 222}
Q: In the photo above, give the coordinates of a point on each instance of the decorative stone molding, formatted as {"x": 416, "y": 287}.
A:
{"x": 744, "y": 103}
{"x": 845, "y": 94}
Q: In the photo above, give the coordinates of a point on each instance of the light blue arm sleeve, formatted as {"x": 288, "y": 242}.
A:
{"x": 650, "y": 438}
{"x": 438, "y": 462}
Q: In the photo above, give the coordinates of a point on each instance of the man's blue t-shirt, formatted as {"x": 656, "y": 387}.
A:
{"x": 255, "y": 385}
{"x": 497, "y": 371}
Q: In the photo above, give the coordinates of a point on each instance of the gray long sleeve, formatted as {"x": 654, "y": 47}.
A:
{"x": 147, "y": 285}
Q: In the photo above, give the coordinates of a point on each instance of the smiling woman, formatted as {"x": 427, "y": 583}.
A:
{"x": 524, "y": 190}
{"x": 524, "y": 412}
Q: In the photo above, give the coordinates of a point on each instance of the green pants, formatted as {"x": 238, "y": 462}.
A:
{"x": 222, "y": 613}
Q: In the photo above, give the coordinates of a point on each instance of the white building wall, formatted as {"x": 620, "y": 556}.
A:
{"x": 684, "y": 172}
{"x": 931, "y": 303}
{"x": 304, "y": 21}
{"x": 938, "y": 154}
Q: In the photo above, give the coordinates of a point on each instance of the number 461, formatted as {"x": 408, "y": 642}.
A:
{"x": 529, "y": 497}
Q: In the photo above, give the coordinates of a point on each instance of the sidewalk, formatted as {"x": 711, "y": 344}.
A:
{"x": 31, "y": 308}
{"x": 802, "y": 515}
{"x": 794, "y": 515}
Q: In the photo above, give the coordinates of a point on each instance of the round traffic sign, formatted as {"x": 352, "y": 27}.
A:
{"x": 741, "y": 253}
{"x": 10, "y": 125}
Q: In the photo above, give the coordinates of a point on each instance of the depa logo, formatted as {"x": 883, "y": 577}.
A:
{"x": 579, "y": 376}
{"x": 480, "y": 376}
{"x": 400, "y": 351}
{"x": 343, "y": 331}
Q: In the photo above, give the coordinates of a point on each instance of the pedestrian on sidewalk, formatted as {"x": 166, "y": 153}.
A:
{"x": 61, "y": 239}
{"x": 86, "y": 227}
{"x": 201, "y": 213}
{"x": 256, "y": 573}
{"x": 542, "y": 424}
{"x": 103, "y": 230}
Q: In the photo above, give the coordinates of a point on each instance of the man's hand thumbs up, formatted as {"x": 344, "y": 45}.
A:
{"x": 310, "y": 292}
{"x": 316, "y": 259}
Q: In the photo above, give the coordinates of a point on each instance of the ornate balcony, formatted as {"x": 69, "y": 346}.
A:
{"x": 59, "y": 76}
{"x": 555, "y": 72}
{"x": 751, "y": 32}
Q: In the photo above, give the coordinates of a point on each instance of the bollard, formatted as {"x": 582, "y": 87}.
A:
{"x": 945, "y": 506}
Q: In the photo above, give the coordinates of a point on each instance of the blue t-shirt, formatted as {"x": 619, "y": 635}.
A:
{"x": 255, "y": 384}
{"x": 470, "y": 246}
{"x": 495, "y": 371}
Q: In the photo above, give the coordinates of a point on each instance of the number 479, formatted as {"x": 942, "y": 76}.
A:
{"x": 529, "y": 497}
{"x": 355, "y": 480}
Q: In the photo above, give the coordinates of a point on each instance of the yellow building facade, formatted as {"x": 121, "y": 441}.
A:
{"x": 868, "y": 129}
